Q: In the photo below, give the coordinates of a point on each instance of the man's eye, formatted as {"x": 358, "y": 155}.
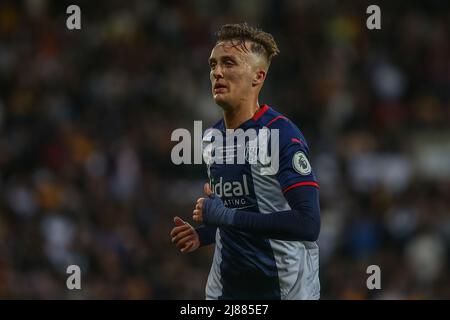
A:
{"x": 212, "y": 65}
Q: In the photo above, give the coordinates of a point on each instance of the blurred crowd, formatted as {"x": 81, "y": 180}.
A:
{"x": 86, "y": 118}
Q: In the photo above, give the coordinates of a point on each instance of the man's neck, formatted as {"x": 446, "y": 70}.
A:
{"x": 234, "y": 117}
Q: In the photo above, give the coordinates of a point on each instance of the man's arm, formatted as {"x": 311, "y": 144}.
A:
{"x": 207, "y": 234}
{"x": 301, "y": 223}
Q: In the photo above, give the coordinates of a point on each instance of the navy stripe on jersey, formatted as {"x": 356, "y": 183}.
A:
{"x": 248, "y": 267}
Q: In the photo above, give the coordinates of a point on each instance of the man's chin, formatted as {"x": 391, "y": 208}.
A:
{"x": 221, "y": 101}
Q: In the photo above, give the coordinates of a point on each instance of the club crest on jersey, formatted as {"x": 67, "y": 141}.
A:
{"x": 251, "y": 153}
{"x": 301, "y": 164}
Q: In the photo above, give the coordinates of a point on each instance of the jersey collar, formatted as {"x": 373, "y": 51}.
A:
{"x": 250, "y": 122}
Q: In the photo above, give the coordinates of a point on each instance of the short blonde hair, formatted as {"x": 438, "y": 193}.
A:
{"x": 263, "y": 43}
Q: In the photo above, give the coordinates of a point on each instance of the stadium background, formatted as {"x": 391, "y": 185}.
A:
{"x": 86, "y": 118}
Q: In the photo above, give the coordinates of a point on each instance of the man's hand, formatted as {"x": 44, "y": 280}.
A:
{"x": 198, "y": 211}
{"x": 212, "y": 211}
{"x": 184, "y": 236}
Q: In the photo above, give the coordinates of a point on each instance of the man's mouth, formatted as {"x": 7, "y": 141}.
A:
{"x": 219, "y": 88}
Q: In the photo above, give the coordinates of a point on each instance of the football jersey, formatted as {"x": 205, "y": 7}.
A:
{"x": 245, "y": 265}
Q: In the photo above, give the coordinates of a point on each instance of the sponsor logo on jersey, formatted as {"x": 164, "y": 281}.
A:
{"x": 231, "y": 188}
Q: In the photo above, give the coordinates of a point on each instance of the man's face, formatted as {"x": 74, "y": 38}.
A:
{"x": 232, "y": 72}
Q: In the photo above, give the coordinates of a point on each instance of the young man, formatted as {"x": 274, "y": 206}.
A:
{"x": 264, "y": 226}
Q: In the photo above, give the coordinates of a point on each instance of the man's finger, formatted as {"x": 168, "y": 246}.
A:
{"x": 176, "y": 230}
{"x": 187, "y": 247}
{"x": 197, "y": 214}
{"x": 207, "y": 189}
{"x": 182, "y": 242}
{"x": 181, "y": 235}
{"x": 178, "y": 221}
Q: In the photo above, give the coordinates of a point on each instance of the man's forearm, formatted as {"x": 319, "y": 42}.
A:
{"x": 302, "y": 223}
{"x": 206, "y": 234}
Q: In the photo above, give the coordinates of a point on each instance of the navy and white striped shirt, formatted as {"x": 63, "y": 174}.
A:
{"x": 269, "y": 252}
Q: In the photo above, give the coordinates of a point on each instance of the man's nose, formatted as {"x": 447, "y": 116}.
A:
{"x": 217, "y": 72}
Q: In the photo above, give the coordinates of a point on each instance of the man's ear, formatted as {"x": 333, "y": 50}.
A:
{"x": 259, "y": 77}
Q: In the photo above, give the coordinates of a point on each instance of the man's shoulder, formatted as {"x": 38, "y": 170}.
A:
{"x": 274, "y": 119}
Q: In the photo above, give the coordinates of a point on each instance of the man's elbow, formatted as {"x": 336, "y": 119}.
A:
{"x": 313, "y": 231}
